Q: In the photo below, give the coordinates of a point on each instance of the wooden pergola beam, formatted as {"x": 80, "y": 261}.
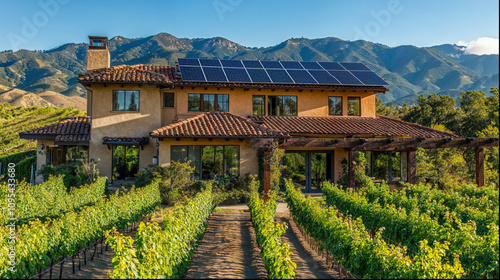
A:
{"x": 480, "y": 166}
{"x": 389, "y": 144}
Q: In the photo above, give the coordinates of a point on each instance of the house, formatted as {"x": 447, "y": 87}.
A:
{"x": 218, "y": 113}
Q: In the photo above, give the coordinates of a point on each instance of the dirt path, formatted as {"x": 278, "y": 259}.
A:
{"x": 309, "y": 264}
{"x": 228, "y": 249}
{"x": 96, "y": 268}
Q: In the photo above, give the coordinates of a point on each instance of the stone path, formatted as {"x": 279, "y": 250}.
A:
{"x": 228, "y": 249}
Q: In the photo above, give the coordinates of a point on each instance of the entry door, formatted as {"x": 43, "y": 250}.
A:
{"x": 308, "y": 169}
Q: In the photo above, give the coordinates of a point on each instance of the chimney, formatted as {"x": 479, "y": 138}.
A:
{"x": 98, "y": 53}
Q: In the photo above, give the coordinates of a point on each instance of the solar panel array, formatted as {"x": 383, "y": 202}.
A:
{"x": 281, "y": 72}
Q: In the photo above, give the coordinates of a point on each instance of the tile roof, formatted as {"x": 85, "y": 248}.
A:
{"x": 379, "y": 126}
{"x": 140, "y": 73}
{"x": 216, "y": 125}
{"x": 166, "y": 75}
{"x": 70, "y": 130}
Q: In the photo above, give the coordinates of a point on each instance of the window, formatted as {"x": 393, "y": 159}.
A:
{"x": 335, "y": 105}
{"x": 388, "y": 166}
{"x": 259, "y": 105}
{"x": 209, "y": 161}
{"x": 194, "y": 102}
{"x": 125, "y": 162}
{"x": 208, "y": 102}
{"x": 125, "y": 100}
{"x": 282, "y": 105}
{"x": 353, "y": 106}
{"x": 168, "y": 99}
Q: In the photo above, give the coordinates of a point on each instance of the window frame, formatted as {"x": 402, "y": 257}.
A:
{"x": 200, "y": 159}
{"x": 202, "y": 106}
{"x": 125, "y": 93}
{"x": 359, "y": 102}
{"x": 341, "y": 105}
{"x": 270, "y": 108}
{"x": 256, "y": 104}
{"x": 172, "y": 95}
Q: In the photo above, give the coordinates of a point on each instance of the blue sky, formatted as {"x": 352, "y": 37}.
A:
{"x": 45, "y": 24}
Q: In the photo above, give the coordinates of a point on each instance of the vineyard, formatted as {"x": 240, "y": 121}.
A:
{"x": 16, "y": 119}
{"x": 466, "y": 225}
{"x": 415, "y": 232}
{"x": 40, "y": 244}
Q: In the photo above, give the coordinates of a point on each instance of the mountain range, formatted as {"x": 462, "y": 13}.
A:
{"x": 36, "y": 76}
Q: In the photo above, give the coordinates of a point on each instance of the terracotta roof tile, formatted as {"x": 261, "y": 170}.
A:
{"x": 217, "y": 125}
{"x": 73, "y": 129}
{"x": 379, "y": 126}
{"x": 140, "y": 73}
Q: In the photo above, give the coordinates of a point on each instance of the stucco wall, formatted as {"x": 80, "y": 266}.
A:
{"x": 106, "y": 122}
{"x": 248, "y": 155}
{"x": 309, "y": 103}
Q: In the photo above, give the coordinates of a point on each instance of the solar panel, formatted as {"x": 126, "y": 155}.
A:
{"x": 301, "y": 77}
{"x": 259, "y": 75}
{"x": 210, "y": 62}
{"x": 331, "y": 65}
{"x": 369, "y": 78}
{"x": 237, "y": 75}
{"x": 192, "y": 73}
{"x": 271, "y": 64}
{"x": 323, "y": 77}
{"x": 285, "y": 72}
{"x": 214, "y": 74}
{"x": 232, "y": 63}
{"x": 252, "y": 63}
{"x": 310, "y": 65}
{"x": 279, "y": 76}
{"x": 189, "y": 61}
{"x": 344, "y": 77}
{"x": 291, "y": 65}
{"x": 355, "y": 66}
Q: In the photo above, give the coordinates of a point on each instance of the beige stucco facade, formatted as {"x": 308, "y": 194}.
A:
{"x": 152, "y": 115}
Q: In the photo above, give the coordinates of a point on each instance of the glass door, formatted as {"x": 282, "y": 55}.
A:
{"x": 308, "y": 169}
{"x": 296, "y": 168}
{"x": 321, "y": 169}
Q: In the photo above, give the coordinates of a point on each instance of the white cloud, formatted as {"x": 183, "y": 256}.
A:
{"x": 483, "y": 45}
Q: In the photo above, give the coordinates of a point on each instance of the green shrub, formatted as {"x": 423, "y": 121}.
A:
{"x": 75, "y": 174}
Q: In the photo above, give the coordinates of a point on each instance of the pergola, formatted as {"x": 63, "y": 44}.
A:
{"x": 410, "y": 145}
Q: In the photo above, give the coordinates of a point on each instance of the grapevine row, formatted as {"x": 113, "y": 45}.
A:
{"x": 437, "y": 210}
{"x": 478, "y": 254}
{"x": 38, "y": 243}
{"x": 366, "y": 257}
{"x": 162, "y": 252}
{"x": 276, "y": 255}
{"x": 49, "y": 199}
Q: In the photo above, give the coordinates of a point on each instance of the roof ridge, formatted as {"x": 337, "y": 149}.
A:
{"x": 418, "y": 125}
{"x": 259, "y": 126}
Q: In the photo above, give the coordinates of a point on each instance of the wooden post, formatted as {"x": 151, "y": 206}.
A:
{"x": 480, "y": 166}
{"x": 352, "y": 159}
{"x": 412, "y": 167}
{"x": 267, "y": 174}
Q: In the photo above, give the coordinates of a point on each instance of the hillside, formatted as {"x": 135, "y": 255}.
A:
{"x": 409, "y": 70}
{"x": 16, "y": 119}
